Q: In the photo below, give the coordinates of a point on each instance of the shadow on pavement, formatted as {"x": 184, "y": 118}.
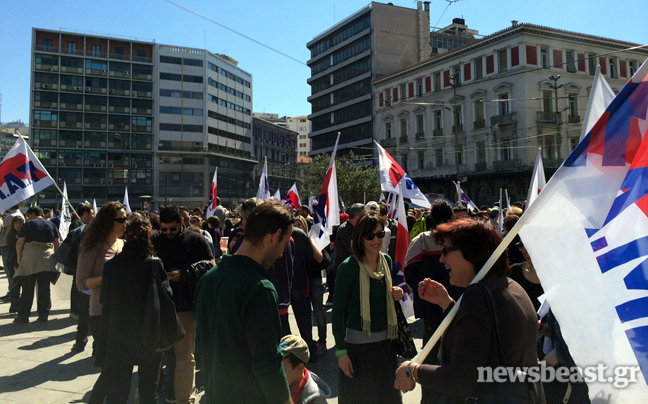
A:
{"x": 53, "y": 370}
{"x": 33, "y": 326}
{"x": 50, "y": 341}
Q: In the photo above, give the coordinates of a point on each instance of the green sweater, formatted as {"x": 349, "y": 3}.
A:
{"x": 238, "y": 334}
{"x": 347, "y": 294}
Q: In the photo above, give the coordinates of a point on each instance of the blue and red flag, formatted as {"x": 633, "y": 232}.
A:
{"x": 587, "y": 234}
{"x": 326, "y": 214}
{"x": 292, "y": 197}
{"x": 213, "y": 202}
{"x": 21, "y": 175}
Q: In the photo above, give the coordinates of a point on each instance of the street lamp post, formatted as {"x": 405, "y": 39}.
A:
{"x": 557, "y": 114}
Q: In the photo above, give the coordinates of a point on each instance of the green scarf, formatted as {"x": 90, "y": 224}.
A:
{"x": 366, "y": 274}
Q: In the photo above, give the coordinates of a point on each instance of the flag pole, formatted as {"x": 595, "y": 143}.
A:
{"x": 66, "y": 200}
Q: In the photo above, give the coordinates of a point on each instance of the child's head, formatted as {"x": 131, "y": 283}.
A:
{"x": 295, "y": 356}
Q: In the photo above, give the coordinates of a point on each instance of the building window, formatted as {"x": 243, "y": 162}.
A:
{"x": 420, "y": 129}
{"x": 437, "y": 81}
{"x": 72, "y": 48}
{"x": 404, "y": 162}
{"x": 571, "y": 62}
{"x": 421, "y": 160}
{"x": 459, "y": 154}
{"x": 402, "y": 94}
{"x": 119, "y": 52}
{"x": 419, "y": 87}
{"x": 591, "y": 63}
{"x": 141, "y": 55}
{"x": 549, "y": 147}
{"x": 403, "y": 128}
{"x": 387, "y": 97}
{"x": 456, "y": 75}
{"x": 388, "y": 130}
{"x": 614, "y": 73}
{"x": 479, "y": 73}
{"x": 572, "y": 99}
{"x": 438, "y": 123}
{"x": 438, "y": 157}
{"x": 96, "y": 50}
{"x": 458, "y": 119}
{"x": 544, "y": 57}
{"x": 503, "y": 60}
{"x": 504, "y": 108}
{"x": 481, "y": 152}
{"x": 633, "y": 67}
{"x": 47, "y": 45}
{"x": 547, "y": 105}
{"x": 506, "y": 151}
{"x": 478, "y": 106}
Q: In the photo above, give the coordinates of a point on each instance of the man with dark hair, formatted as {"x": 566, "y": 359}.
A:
{"x": 422, "y": 261}
{"x": 238, "y": 318}
{"x": 343, "y": 246}
{"x": 178, "y": 249}
{"x": 37, "y": 241}
{"x": 4, "y": 249}
{"x": 86, "y": 214}
{"x": 47, "y": 213}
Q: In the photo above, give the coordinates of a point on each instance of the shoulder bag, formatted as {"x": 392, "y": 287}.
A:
{"x": 161, "y": 326}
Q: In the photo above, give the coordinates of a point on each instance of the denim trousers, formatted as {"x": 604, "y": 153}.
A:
{"x": 317, "y": 301}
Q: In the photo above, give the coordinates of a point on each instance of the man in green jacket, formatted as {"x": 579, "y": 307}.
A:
{"x": 239, "y": 330}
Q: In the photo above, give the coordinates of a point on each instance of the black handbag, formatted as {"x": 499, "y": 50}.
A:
{"x": 523, "y": 392}
{"x": 404, "y": 344}
{"x": 161, "y": 326}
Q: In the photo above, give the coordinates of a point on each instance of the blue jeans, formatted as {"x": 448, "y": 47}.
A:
{"x": 301, "y": 309}
{"x": 317, "y": 301}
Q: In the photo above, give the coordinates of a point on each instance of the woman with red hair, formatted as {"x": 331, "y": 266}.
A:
{"x": 469, "y": 341}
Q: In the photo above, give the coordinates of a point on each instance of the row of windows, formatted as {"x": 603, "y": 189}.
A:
{"x": 68, "y": 64}
{"x": 228, "y": 135}
{"x": 228, "y": 104}
{"x": 228, "y": 74}
{"x": 95, "y": 50}
{"x": 76, "y": 101}
{"x": 343, "y": 115}
{"x": 227, "y": 89}
{"x": 181, "y": 111}
{"x": 356, "y": 26}
{"x": 346, "y": 93}
{"x": 228, "y": 119}
{"x": 181, "y": 77}
{"x": 181, "y": 94}
{"x": 341, "y": 75}
{"x": 262, "y": 134}
{"x": 74, "y": 117}
{"x": 95, "y": 140}
{"x": 176, "y": 127}
{"x": 351, "y": 134}
{"x": 179, "y": 61}
{"x": 86, "y": 81}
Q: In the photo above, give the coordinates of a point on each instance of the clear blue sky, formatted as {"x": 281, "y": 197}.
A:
{"x": 279, "y": 82}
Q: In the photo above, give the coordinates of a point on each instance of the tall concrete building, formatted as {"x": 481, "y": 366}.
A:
{"x": 274, "y": 141}
{"x": 108, "y": 113}
{"x": 479, "y": 112}
{"x": 378, "y": 40}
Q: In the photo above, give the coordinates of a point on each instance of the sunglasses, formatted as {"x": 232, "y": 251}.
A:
{"x": 446, "y": 250}
{"x": 371, "y": 236}
{"x": 120, "y": 219}
{"x": 168, "y": 229}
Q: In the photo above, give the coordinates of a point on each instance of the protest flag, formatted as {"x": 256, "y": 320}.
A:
{"x": 21, "y": 175}
{"x": 391, "y": 174}
{"x": 213, "y": 202}
{"x": 327, "y": 212}
{"x": 538, "y": 180}
{"x": 463, "y": 198}
{"x": 66, "y": 216}
{"x": 126, "y": 203}
{"x": 263, "y": 192}
{"x": 292, "y": 197}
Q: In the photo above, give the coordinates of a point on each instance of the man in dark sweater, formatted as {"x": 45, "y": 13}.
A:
{"x": 239, "y": 329}
{"x": 343, "y": 245}
{"x": 178, "y": 249}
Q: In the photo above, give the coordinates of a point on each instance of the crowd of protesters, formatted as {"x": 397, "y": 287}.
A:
{"x": 235, "y": 315}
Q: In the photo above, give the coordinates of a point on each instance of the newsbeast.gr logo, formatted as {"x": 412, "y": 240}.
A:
{"x": 620, "y": 377}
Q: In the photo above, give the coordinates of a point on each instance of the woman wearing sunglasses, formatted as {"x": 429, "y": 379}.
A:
{"x": 100, "y": 243}
{"x": 468, "y": 342}
{"x": 363, "y": 287}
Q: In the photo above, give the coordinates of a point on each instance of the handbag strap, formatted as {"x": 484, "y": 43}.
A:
{"x": 495, "y": 334}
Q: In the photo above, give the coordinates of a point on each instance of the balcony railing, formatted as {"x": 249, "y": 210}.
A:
{"x": 457, "y": 129}
{"x": 503, "y": 165}
{"x": 504, "y": 119}
{"x": 437, "y": 132}
{"x": 546, "y": 116}
{"x": 389, "y": 142}
{"x": 420, "y": 135}
{"x": 573, "y": 118}
{"x": 479, "y": 124}
{"x": 403, "y": 139}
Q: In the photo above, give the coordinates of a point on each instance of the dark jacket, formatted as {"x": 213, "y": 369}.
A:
{"x": 124, "y": 289}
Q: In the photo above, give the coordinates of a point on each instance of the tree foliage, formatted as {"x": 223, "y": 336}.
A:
{"x": 353, "y": 178}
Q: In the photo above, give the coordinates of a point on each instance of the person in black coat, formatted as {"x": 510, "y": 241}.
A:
{"x": 125, "y": 283}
